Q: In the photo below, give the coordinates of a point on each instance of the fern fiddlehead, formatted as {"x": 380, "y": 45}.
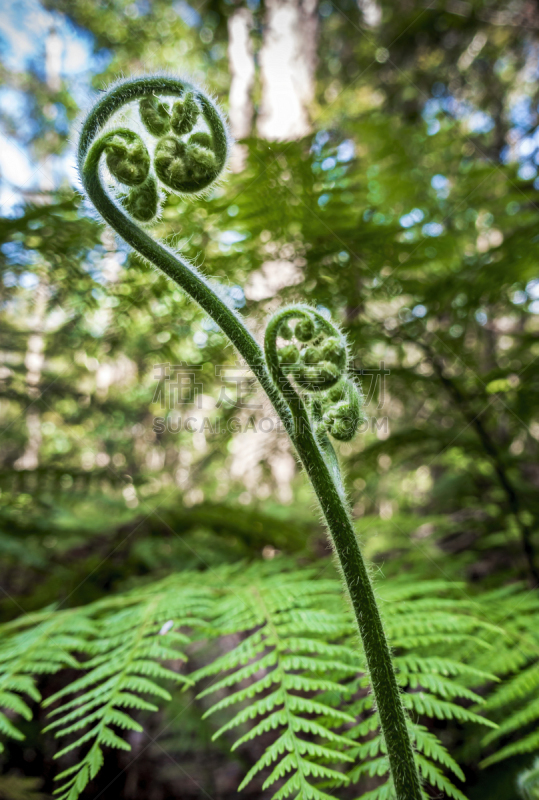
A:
{"x": 318, "y": 364}
{"x": 303, "y": 369}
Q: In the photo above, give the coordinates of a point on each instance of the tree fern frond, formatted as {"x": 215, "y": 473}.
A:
{"x": 429, "y": 745}
{"x": 284, "y": 654}
{"x": 527, "y": 744}
{"x": 435, "y": 708}
{"x": 301, "y": 788}
{"x": 45, "y": 648}
{"x": 514, "y": 689}
{"x": 443, "y": 665}
{"x": 374, "y": 768}
{"x": 383, "y": 792}
{"x": 434, "y": 682}
{"x": 431, "y": 773}
{"x": 519, "y": 719}
{"x": 514, "y": 657}
{"x": 124, "y": 663}
{"x": 292, "y": 672}
{"x": 289, "y": 649}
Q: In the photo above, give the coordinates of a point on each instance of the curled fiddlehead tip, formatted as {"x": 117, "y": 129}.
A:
{"x": 127, "y": 157}
{"x": 155, "y": 115}
{"x": 303, "y": 345}
{"x": 343, "y": 411}
{"x": 142, "y": 202}
{"x": 181, "y": 143}
{"x": 184, "y": 114}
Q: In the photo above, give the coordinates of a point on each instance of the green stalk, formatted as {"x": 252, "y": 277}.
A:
{"x": 316, "y": 454}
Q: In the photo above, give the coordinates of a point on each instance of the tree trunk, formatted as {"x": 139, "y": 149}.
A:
{"x": 287, "y": 64}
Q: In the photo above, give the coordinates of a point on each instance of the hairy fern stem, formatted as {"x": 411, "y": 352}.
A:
{"x": 326, "y": 402}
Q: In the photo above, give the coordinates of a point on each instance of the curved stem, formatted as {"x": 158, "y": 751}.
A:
{"x": 375, "y": 645}
{"x": 158, "y": 254}
{"x": 317, "y": 457}
{"x": 328, "y": 488}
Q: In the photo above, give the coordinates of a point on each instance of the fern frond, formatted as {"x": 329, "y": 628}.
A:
{"x": 514, "y": 657}
{"x": 429, "y": 745}
{"x": 383, "y": 792}
{"x": 431, "y": 774}
{"x": 286, "y": 652}
{"x": 123, "y": 663}
{"x": 434, "y": 683}
{"x": 45, "y": 648}
{"x": 287, "y": 622}
{"x": 293, "y": 672}
{"x": 435, "y": 708}
{"x": 527, "y": 744}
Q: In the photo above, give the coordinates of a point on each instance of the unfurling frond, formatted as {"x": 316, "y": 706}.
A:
{"x": 188, "y": 161}
{"x": 303, "y": 345}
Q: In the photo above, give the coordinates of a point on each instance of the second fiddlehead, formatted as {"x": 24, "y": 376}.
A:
{"x": 317, "y": 361}
{"x": 303, "y": 369}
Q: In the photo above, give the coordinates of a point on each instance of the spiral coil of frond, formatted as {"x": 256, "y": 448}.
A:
{"x": 303, "y": 345}
{"x": 184, "y": 160}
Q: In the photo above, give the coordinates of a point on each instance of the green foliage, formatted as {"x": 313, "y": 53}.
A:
{"x": 123, "y": 642}
{"x": 292, "y": 670}
{"x": 515, "y": 656}
{"x": 123, "y": 664}
{"x": 44, "y": 648}
{"x": 289, "y": 651}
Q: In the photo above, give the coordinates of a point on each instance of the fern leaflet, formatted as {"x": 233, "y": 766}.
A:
{"x": 288, "y": 651}
{"x": 124, "y": 667}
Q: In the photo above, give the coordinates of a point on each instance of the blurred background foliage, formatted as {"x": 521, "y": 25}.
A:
{"x": 395, "y": 186}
